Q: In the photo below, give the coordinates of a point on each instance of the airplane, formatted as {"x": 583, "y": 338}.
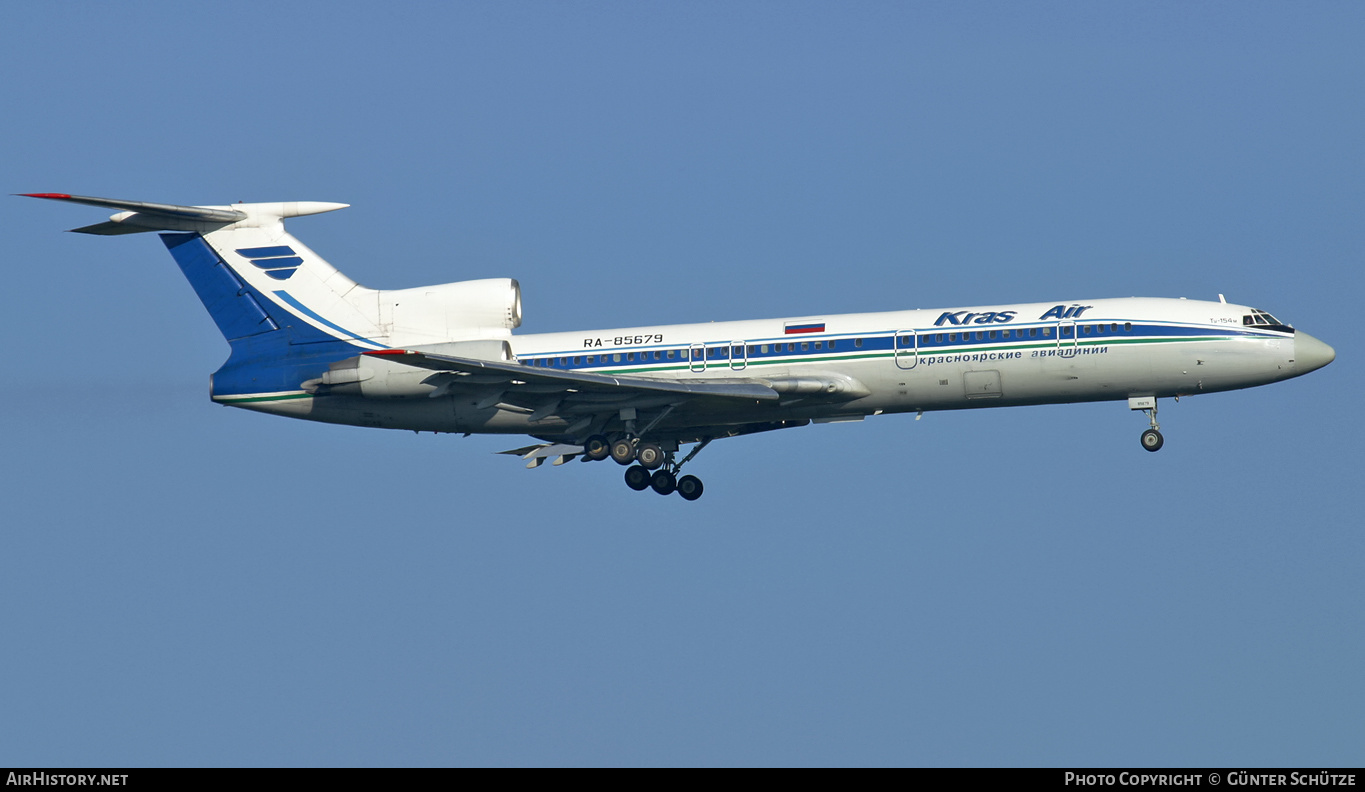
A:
{"x": 308, "y": 342}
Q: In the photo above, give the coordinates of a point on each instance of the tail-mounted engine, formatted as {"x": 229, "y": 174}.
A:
{"x": 488, "y": 308}
{"x": 377, "y": 378}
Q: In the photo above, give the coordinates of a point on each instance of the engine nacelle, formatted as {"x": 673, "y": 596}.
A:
{"x": 379, "y": 378}
{"x": 488, "y": 308}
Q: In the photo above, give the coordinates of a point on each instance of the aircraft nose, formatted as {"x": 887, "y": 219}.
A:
{"x": 1311, "y": 354}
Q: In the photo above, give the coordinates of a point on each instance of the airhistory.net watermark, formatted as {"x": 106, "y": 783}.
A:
{"x": 66, "y": 779}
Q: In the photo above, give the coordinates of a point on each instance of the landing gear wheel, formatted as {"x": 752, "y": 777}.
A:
{"x": 664, "y": 482}
{"x": 1152, "y": 440}
{"x": 690, "y": 487}
{"x": 637, "y": 478}
{"x": 623, "y": 451}
{"x": 649, "y": 455}
{"x": 596, "y": 448}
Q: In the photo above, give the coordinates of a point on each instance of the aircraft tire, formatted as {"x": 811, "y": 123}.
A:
{"x": 637, "y": 478}
{"x": 596, "y": 448}
{"x": 690, "y": 487}
{"x": 1152, "y": 440}
{"x": 663, "y": 482}
{"x": 623, "y": 451}
{"x": 649, "y": 455}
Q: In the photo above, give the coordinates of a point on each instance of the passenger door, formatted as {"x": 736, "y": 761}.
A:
{"x": 907, "y": 349}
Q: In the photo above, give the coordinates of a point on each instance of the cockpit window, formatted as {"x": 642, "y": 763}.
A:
{"x": 1259, "y": 318}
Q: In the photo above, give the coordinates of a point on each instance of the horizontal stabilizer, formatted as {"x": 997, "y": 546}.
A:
{"x": 138, "y": 216}
{"x": 202, "y": 213}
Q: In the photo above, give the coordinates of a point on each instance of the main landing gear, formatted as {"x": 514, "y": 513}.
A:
{"x": 650, "y": 467}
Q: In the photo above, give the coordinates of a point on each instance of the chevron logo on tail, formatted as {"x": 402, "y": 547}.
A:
{"x": 279, "y": 261}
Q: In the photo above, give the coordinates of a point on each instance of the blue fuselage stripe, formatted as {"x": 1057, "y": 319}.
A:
{"x": 301, "y": 308}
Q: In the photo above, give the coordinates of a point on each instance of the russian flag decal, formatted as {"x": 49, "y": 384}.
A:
{"x": 804, "y": 327}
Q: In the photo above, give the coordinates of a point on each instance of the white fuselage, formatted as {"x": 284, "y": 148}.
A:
{"x": 900, "y": 361}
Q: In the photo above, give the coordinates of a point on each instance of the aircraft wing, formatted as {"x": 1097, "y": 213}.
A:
{"x": 573, "y": 385}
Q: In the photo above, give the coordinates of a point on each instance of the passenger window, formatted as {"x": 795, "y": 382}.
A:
{"x": 1047, "y": 332}
{"x": 992, "y": 335}
{"x": 805, "y": 346}
{"x": 1127, "y": 327}
{"x": 753, "y": 350}
{"x": 1004, "y": 334}
{"x": 1114, "y": 328}
{"x": 616, "y": 357}
{"x": 831, "y": 345}
{"x": 592, "y": 359}
{"x": 952, "y": 337}
{"x": 1033, "y": 332}
{"x": 817, "y": 344}
{"x": 858, "y": 343}
{"x": 578, "y": 360}
{"x": 630, "y": 356}
{"x": 763, "y": 348}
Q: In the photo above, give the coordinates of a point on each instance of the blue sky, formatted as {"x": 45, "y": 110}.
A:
{"x": 187, "y": 584}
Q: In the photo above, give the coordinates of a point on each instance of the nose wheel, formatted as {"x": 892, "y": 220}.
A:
{"x": 1152, "y": 440}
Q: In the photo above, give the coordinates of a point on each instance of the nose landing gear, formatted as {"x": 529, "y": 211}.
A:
{"x": 1151, "y": 438}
